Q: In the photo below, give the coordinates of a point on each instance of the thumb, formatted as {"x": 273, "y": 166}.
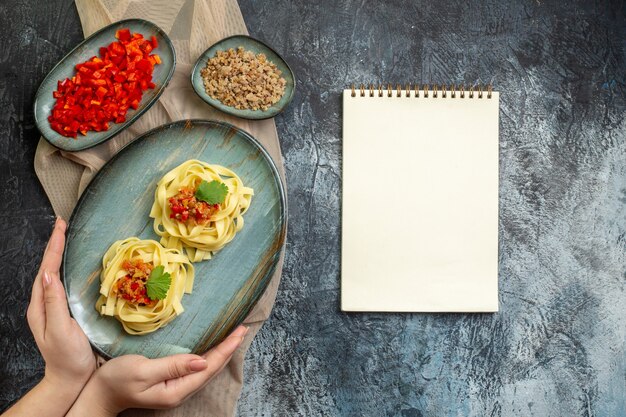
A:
{"x": 174, "y": 366}
{"x": 55, "y": 302}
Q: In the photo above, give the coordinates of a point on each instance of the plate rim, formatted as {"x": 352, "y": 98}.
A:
{"x": 236, "y": 112}
{"x": 128, "y": 122}
{"x": 282, "y": 232}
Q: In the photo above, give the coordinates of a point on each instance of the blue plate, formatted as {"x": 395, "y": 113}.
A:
{"x": 258, "y": 47}
{"x": 83, "y": 52}
{"x": 116, "y": 205}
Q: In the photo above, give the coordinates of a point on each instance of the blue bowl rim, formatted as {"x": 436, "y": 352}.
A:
{"x": 135, "y": 116}
{"x": 186, "y": 122}
{"x": 235, "y": 112}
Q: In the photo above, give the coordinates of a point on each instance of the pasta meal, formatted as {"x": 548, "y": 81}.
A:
{"x": 199, "y": 207}
{"x": 142, "y": 284}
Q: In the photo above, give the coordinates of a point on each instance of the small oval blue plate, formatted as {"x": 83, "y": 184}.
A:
{"x": 116, "y": 205}
{"x": 83, "y": 52}
{"x": 258, "y": 47}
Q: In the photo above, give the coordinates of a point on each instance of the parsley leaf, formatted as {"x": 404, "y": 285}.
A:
{"x": 158, "y": 283}
{"x": 213, "y": 192}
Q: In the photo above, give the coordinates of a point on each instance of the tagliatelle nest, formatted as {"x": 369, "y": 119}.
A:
{"x": 243, "y": 80}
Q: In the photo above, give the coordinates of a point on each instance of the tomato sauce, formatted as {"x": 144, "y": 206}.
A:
{"x": 132, "y": 286}
{"x": 185, "y": 207}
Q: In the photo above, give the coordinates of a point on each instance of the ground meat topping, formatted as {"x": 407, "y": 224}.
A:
{"x": 243, "y": 80}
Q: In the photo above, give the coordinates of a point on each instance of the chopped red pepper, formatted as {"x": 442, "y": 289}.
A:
{"x": 105, "y": 87}
{"x": 123, "y": 35}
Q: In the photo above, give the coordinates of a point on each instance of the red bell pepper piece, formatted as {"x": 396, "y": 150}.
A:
{"x": 123, "y": 35}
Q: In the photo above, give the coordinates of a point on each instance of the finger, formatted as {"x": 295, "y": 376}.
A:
{"x": 57, "y": 315}
{"x": 176, "y": 390}
{"x": 225, "y": 351}
{"x": 218, "y": 357}
{"x": 36, "y": 313}
{"x": 172, "y": 367}
{"x": 53, "y": 255}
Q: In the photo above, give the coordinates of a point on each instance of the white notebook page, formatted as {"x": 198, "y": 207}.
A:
{"x": 420, "y": 203}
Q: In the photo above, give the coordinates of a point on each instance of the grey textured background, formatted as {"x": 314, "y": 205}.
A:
{"x": 558, "y": 346}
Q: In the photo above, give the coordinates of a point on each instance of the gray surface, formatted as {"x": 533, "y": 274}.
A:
{"x": 557, "y": 348}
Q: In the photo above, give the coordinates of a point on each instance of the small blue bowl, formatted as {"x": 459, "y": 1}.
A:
{"x": 44, "y": 102}
{"x": 258, "y": 47}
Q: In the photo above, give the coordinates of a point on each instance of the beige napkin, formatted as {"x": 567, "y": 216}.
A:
{"x": 193, "y": 25}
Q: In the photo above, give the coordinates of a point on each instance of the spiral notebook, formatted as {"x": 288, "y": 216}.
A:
{"x": 420, "y": 199}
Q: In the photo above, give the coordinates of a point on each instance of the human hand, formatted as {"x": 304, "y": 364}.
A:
{"x": 63, "y": 345}
{"x": 133, "y": 381}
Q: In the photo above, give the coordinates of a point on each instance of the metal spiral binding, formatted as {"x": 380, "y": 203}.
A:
{"x": 437, "y": 90}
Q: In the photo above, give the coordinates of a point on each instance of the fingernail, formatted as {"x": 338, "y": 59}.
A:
{"x": 59, "y": 221}
{"x": 247, "y": 328}
{"x": 197, "y": 365}
{"x": 46, "y": 279}
{"x": 240, "y": 331}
